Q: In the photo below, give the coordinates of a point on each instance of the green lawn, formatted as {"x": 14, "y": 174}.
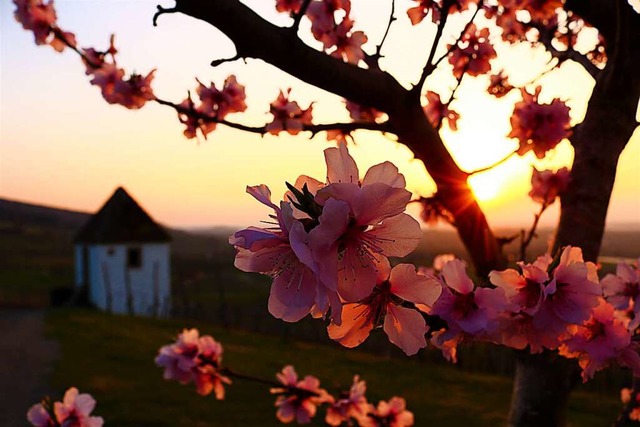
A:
{"x": 112, "y": 358}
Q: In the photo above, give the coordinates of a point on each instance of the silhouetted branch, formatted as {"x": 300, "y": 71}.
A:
{"x": 526, "y": 238}
{"x": 493, "y": 165}
{"x": 462, "y": 33}
{"x": 298, "y": 16}
{"x": 217, "y": 62}
{"x": 428, "y": 67}
{"x": 392, "y": 18}
{"x": 162, "y": 11}
{"x": 261, "y": 130}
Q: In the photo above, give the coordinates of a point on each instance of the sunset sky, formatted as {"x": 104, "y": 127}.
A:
{"x": 62, "y": 145}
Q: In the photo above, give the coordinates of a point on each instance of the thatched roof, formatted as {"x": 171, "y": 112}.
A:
{"x": 121, "y": 220}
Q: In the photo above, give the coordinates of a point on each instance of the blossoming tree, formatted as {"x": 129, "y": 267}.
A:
{"x": 329, "y": 245}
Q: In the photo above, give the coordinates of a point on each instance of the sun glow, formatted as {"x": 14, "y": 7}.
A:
{"x": 485, "y": 187}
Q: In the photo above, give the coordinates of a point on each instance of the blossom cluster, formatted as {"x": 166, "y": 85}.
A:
{"x": 327, "y": 252}
{"x": 131, "y": 91}
{"x": 74, "y": 411}
{"x": 214, "y": 105}
{"x": 197, "y": 359}
{"x": 336, "y": 34}
{"x": 539, "y": 127}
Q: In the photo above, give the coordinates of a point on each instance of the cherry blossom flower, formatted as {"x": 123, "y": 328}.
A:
{"x": 207, "y": 376}
{"x": 418, "y": 12}
{"x": 348, "y": 43}
{"x": 282, "y": 252}
{"x": 288, "y": 116}
{"x": 600, "y": 341}
{"x": 190, "y": 117}
{"x": 547, "y": 185}
{"x": 542, "y": 10}
{"x": 473, "y": 53}
{"x": 288, "y": 6}
{"x": 353, "y": 405}
{"x": 391, "y": 414}
{"x": 180, "y": 358}
{"x": 298, "y": 400}
{"x": 436, "y": 111}
{"x": 405, "y": 327}
{"x": 219, "y": 103}
{"x": 75, "y": 410}
{"x": 465, "y": 309}
{"x": 361, "y": 113}
{"x": 539, "y": 127}
{"x": 39, "y": 417}
{"x": 36, "y": 16}
{"x": 622, "y": 290}
{"x": 361, "y": 222}
{"x": 194, "y": 358}
{"x": 134, "y": 92}
{"x": 499, "y": 85}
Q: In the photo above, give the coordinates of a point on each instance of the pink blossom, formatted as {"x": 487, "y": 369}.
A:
{"x": 499, "y": 85}
{"x": 622, "y": 290}
{"x": 473, "y": 53}
{"x": 180, "y": 358}
{"x": 218, "y": 103}
{"x": 353, "y": 405}
{"x": 75, "y": 410}
{"x": 282, "y": 252}
{"x": 464, "y": 308}
{"x": 542, "y": 10}
{"x": 574, "y": 289}
{"x": 36, "y": 16}
{"x": 134, "y": 92}
{"x": 547, "y": 185}
{"x": 288, "y": 116}
{"x": 391, "y": 414}
{"x": 418, "y": 12}
{"x": 207, "y": 376}
{"x": 348, "y": 43}
{"x": 194, "y": 122}
{"x": 298, "y": 400}
{"x": 194, "y": 358}
{"x": 288, "y": 6}
{"x": 360, "y": 113}
{"x": 539, "y": 127}
{"x": 39, "y": 417}
{"x": 404, "y": 326}
{"x": 436, "y": 111}
{"x": 361, "y": 222}
{"x": 322, "y": 22}
{"x": 600, "y": 341}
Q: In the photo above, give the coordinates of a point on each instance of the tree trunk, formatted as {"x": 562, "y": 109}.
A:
{"x": 541, "y": 389}
{"x": 543, "y": 382}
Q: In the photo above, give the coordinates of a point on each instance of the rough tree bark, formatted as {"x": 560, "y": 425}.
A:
{"x": 543, "y": 382}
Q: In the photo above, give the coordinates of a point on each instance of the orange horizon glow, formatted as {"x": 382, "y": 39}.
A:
{"x": 63, "y": 146}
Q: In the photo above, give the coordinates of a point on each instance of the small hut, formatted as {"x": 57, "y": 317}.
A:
{"x": 122, "y": 259}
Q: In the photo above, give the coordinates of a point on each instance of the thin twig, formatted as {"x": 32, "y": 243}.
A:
{"x": 428, "y": 68}
{"x": 526, "y": 240}
{"x": 298, "y": 16}
{"x": 493, "y": 165}
{"x": 392, "y": 18}
{"x": 162, "y": 11}
{"x": 545, "y": 72}
{"x": 314, "y": 129}
{"x": 462, "y": 33}
{"x": 217, "y": 62}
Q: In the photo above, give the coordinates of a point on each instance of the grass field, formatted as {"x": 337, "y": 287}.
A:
{"x": 112, "y": 358}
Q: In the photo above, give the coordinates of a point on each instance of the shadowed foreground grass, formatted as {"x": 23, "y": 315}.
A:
{"x": 111, "y": 357}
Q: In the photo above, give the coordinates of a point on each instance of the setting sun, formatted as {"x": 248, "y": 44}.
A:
{"x": 484, "y": 186}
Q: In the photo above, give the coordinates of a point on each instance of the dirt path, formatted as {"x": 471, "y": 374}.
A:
{"x": 26, "y": 361}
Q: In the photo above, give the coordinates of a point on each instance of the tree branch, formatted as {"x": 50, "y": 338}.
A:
{"x": 261, "y": 130}
{"x": 275, "y": 45}
{"x": 298, "y": 16}
{"x": 493, "y": 165}
{"x": 462, "y": 33}
{"x": 428, "y": 67}
{"x": 392, "y": 18}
